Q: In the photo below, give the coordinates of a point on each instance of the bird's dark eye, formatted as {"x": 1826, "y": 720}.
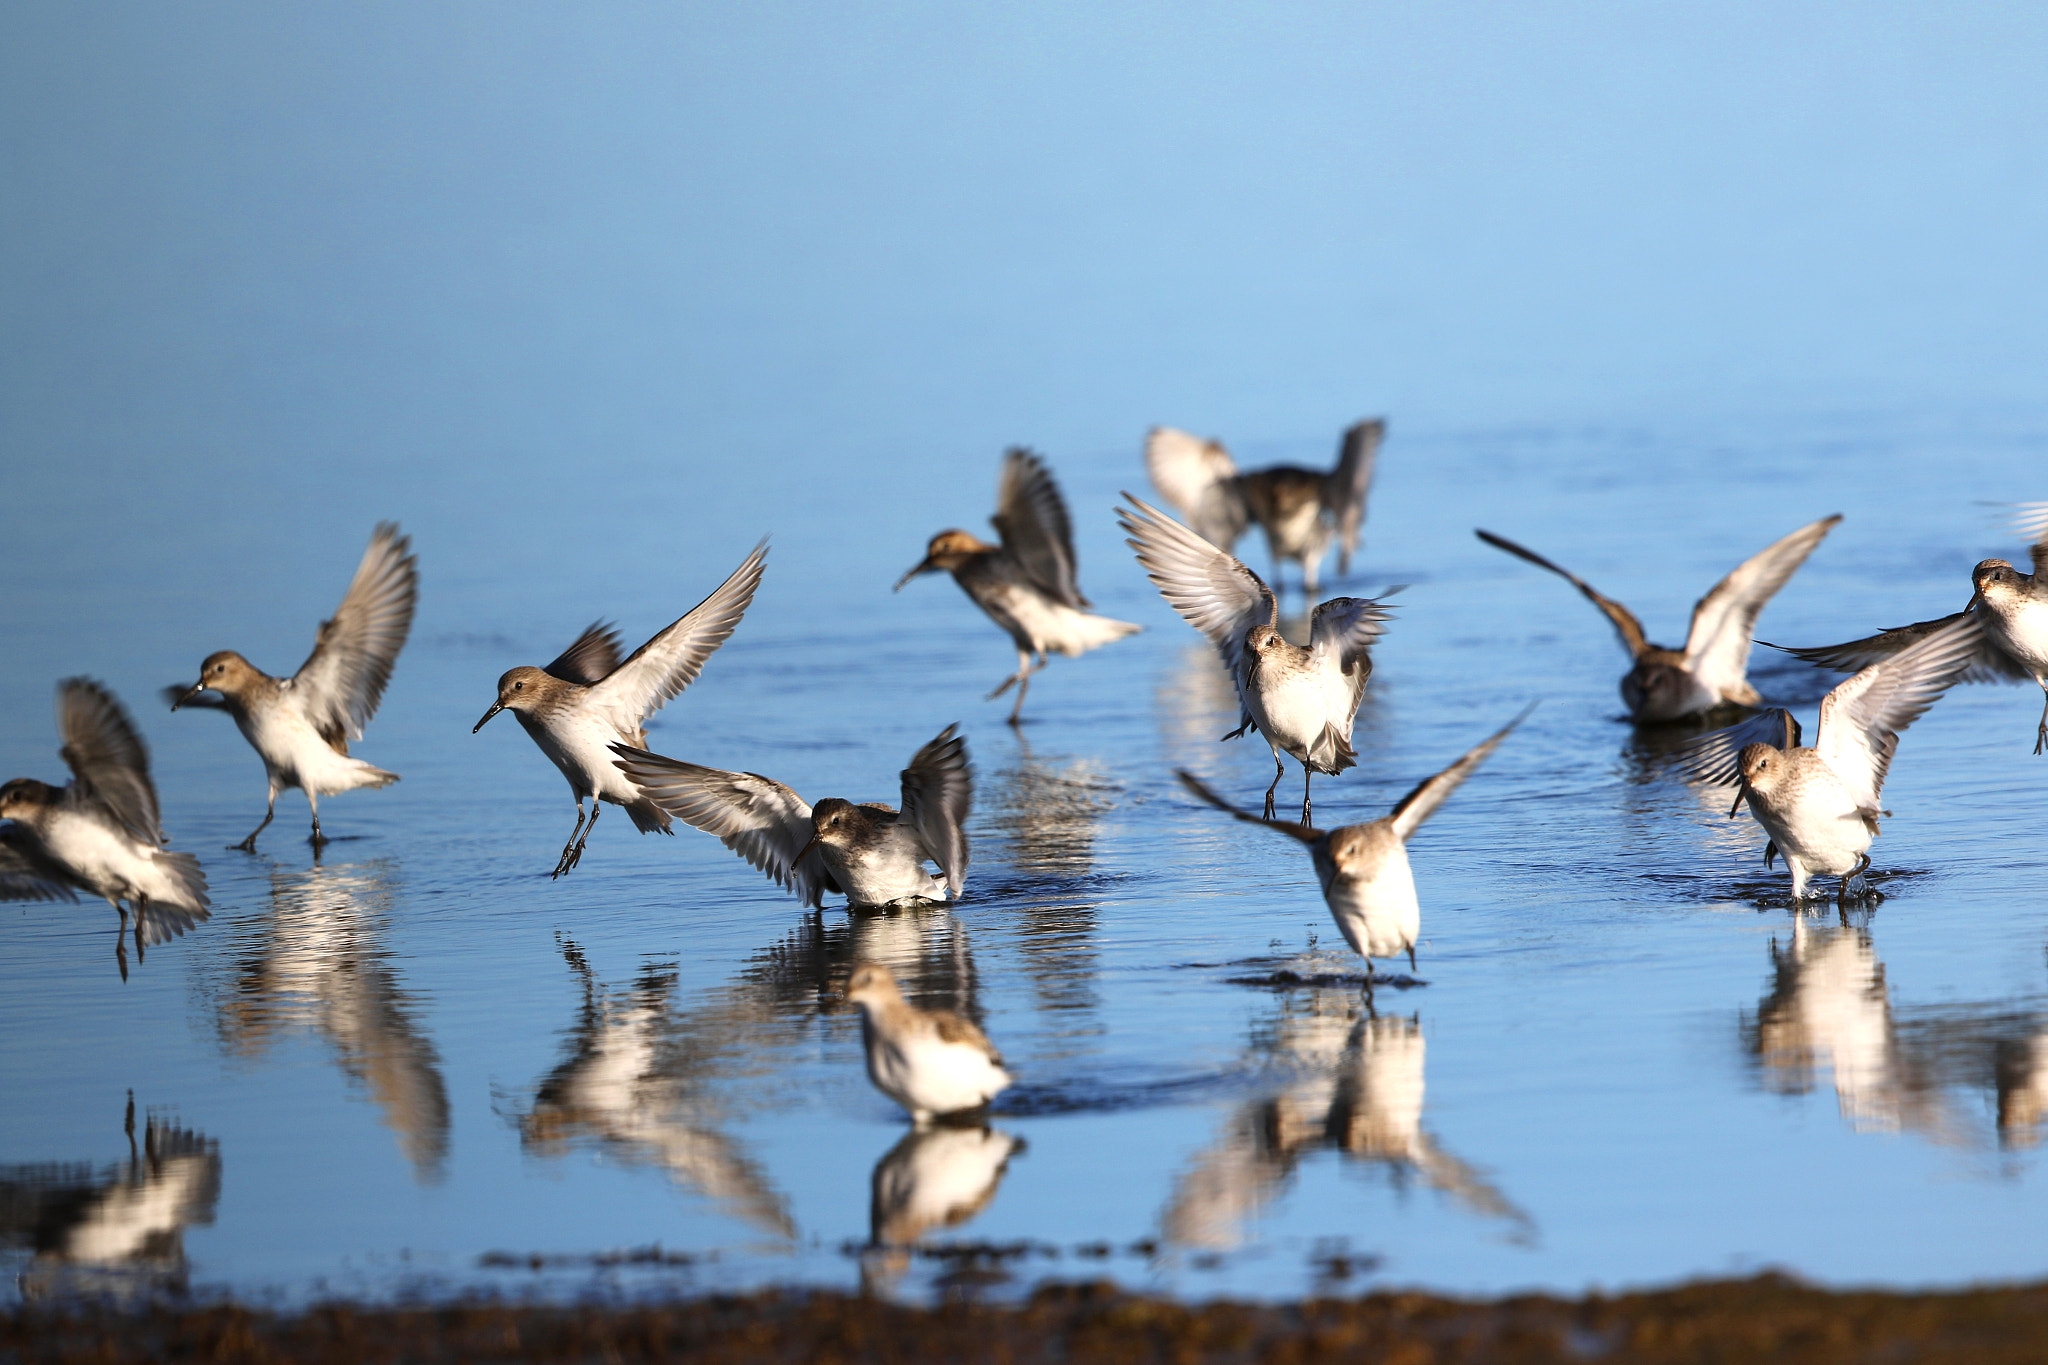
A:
{"x": 519, "y": 687}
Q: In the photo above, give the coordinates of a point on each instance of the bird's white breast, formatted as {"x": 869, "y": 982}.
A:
{"x": 1375, "y": 907}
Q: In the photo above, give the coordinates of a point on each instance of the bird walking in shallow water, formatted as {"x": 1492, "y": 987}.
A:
{"x": 1820, "y": 805}
{"x": 2013, "y": 608}
{"x": 1301, "y": 510}
{"x": 586, "y": 701}
{"x": 1027, "y": 584}
{"x": 932, "y": 1062}
{"x": 1713, "y": 668}
{"x": 869, "y": 853}
{"x": 1364, "y": 868}
{"x": 101, "y": 832}
{"x": 1302, "y": 701}
{"x": 301, "y": 726}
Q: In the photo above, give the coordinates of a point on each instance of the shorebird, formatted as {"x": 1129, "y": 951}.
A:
{"x": 869, "y": 853}
{"x": 2013, "y": 607}
{"x": 1713, "y": 668}
{"x": 101, "y": 832}
{"x": 932, "y": 1062}
{"x": 1300, "y": 510}
{"x": 584, "y": 702}
{"x": 300, "y": 726}
{"x": 1026, "y": 584}
{"x": 1302, "y": 701}
{"x": 1364, "y": 868}
{"x": 1820, "y": 805}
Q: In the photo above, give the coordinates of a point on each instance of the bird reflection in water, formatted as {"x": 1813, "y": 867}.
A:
{"x": 637, "y": 1085}
{"x": 118, "y": 1232}
{"x": 1355, "y": 1084}
{"x": 936, "y": 1177}
{"x": 318, "y": 962}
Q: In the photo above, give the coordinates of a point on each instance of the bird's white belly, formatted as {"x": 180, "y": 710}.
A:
{"x": 927, "y": 1075}
{"x": 885, "y": 872}
{"x": 2023, "y": 629}
{"x": 112, "y": 864}
{"x": 1376, "y": 912}
{"x": 580, "y": 745}
{"x": 1299, "y": 533}
{"x": 296, "y": 755}
{"x": 1820, "y": 826}
{"x": 1291, "y": 711}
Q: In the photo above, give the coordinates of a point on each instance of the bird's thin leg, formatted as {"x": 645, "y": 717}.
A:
{"x": 569, "y": 850}
{"x": 1306, "y": 773}
{"x": 1370, "y": 1012}
{"x": 248, "y": 845}
{"x": 317, "y": 839}
{"x": 576, "y": 856}
{"x": 1411, "y": 958}
{"x": 1279, "y": 771}
{"x": 2041, "y": 731}
{"x": 141, "y": 920}
{"x": 1016, "y": 679}
{"x": 121, "y": 941}
{"x": 1024, "y": 673}
{"x": 1311, "y": 567}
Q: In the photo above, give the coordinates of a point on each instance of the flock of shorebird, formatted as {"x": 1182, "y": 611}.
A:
{"x": 586, "y": 710}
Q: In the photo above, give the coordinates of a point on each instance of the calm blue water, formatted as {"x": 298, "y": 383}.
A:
{"x": 591, "y": 302}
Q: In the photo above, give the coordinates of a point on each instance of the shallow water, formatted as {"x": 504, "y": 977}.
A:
{"x": 416, "y": 1064}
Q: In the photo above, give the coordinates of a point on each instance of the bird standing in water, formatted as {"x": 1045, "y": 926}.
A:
{"x": 1026, "y": 584}
{"x": 301, "y": 726}
{"x": 932, "y": 1062}
{"x": 584, "y": 702}
{"x": 1300, "y": 510}
{"x": 1302, "y": 701}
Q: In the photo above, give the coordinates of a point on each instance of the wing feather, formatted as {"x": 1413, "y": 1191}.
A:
{"x": 671, "y": 661}
{"x": 1990, "y": 664}
{"x": 1341, "y": 632}
{"x": 26, "y": 874}
{"x": 1419, "y": 804}
{"x": 1032, "y": 520}
{"x": 1717, "y": 646}
{"x": 1200, "y": 479}
{"x": 1211, "y": 589}
{"x": 1307, "y": 834}
{"x": 591, "y": 659}
{"x": 756, "y": 817}
{"x": 343, "y": 679}
{"x": 938, "y": 793}
{"x": 1625, "y": 623}
{"x": 2032, "y": 523}
{"x": 1860, "y": 720}
{"x": 107, "y": 757}
{"x": 1344, "y": 491}
{"x": 1713, "y": 757}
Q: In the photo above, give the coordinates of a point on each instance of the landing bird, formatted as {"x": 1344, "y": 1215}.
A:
{"x": 2013, "y": 607}
{"x": 586, "y": 700}
{"x": 931, "y": 1062}
{"x": 869, "y": 853}
{"x": 1364, "y": 868}
{"x": 1820, "y": 805}
{"x": 101, "y": 832}
{"x": 300, "y": 726}
{"x": 1026, "y": 584}
{"x": 1300, "y": 510}
{"x": 1302, "y": 701}
{"x": 1713, "y": 668}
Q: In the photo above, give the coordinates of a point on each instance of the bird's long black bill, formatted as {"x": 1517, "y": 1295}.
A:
{"x": 924, "y": 566}
{"x": 496, "y": 707}
{"x": 194, "y": 690}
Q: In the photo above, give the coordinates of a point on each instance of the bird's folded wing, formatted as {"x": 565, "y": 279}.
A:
{"x": 1989, "y": 664}
{"x": 756, "y": 817}
{"x": 1419, "y": 804}
{"x": 1625, "y": 623}
{"x": 1199, "y": 478}
{"x": 25, "y": 874}
{"x": 672, "y": 660}
{"x": 1345, "y": 488}
{"x": 1032, "y": 520}
{"x": 107, "y": 757}
{"x": 938, "y": 793}
{"x": 343, "y": 679}
{"x": 1715, "y": 756}
{"x": 958, "y": 1028}
{"x": 1860, "y": 720}
{"x": 591, "y": 659}
{"x": 1717, "y": 646}
{"x": 1210, "y": 588}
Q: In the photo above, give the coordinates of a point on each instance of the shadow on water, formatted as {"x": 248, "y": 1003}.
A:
{"x": 111, "y": 1233}
{"x": 317, "y": 962}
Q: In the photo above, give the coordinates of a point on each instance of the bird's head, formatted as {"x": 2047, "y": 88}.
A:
{"x": 24, "y": 796}
{"x": 520, "y": 689}
{"x": 1995, "y": 579}
{"x": 871, "y": 984}
{"x": 226, "y": 672}
{"x": 947, "y": 550}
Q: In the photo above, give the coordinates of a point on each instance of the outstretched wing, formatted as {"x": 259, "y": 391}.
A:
{"x": 1860, "y": 720}
{"x": 938, "y": 792}
{"x": 1715, "y": 756}
{"x": 1340, "y": 633}
{"x": 1307, "y": 834}
{"x": 756, "y": 817}
{"x": 1210, "y": 588}
{"x": 344, "y": 677}
{"x": 1345, "y": 488}
{"x": 2032, "y": 523}
{"x": 1200, "y": 479}
{"x": 107, "y": 757}
{"x": 25, "y": 874}
{"x": 1031, "y": 517}
{"x": 1625, "y": 623}
{"x": 671, "y": 661}
{"x": 1717, "y": 646}
{"x": 1419, "y": 804}
{"x": 1990, "y": 664}
{"x": 591, "y": 659}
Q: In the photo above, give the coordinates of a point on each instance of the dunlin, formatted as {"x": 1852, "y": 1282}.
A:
{"x": 101, "y": 832}
{"x": 1820, "y": 805}
{"x": 1713, "y": 668}
{"x": 1300, "y": 510}
{"x": 300, "y": 726}
{"x": 1364, "y": 868}
{"x": 1027, "y": 583}
{"x": 1302, "y": 701}
{"x": 584, "y": 702}
{"x": 932, "y": 1062}
{"x": 2013, "y": 607}
{"x": 869, "y": 853}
